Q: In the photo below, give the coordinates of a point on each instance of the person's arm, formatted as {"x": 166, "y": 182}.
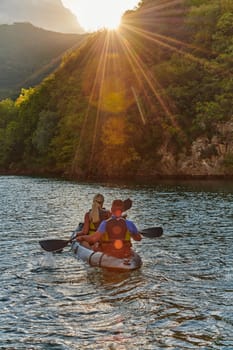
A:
{"x": 96, "y": 236}
{"x": 86, "y": 225}
{"x": 90, "y": 239}
{"x": 136, "y": 236}
{"x": 133, "y": 231}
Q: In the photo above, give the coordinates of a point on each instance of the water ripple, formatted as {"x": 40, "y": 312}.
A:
{"x": 181, "y": 298}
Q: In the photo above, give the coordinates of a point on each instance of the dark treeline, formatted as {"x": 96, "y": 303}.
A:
{"x": 122, "y": 100}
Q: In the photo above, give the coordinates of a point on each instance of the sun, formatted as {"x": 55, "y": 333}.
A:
{"x": 93, "y": 15}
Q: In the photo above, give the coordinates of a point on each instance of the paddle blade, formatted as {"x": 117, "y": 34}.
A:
{"x": 53, "y": 245}
{"x": 152, "y": 232}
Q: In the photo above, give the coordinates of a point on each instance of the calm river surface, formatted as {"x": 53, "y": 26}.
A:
{"x": 181, "y": 298}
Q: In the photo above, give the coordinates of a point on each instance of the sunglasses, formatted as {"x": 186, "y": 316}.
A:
{"x": 99, "y": 202}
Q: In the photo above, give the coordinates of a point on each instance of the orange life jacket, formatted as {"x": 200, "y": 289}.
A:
{"x": 116, "y": 239}
{"x": 104, "y": 215}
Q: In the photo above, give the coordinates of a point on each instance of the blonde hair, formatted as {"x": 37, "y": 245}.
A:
{"x": 98, "y": 202}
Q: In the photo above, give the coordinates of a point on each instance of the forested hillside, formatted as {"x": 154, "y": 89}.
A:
{"x": 154, "y": 99}
{"x": 28, "y": 54}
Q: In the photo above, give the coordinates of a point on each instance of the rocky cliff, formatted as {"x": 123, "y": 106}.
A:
{"x": 207, "y": 156}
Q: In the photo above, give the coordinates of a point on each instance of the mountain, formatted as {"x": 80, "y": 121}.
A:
{"x": 28, "y": 54}
{"x": 47, "y": 14}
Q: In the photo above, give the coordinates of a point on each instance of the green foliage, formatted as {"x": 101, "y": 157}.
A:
{"x": 118, "y": 157}
{"x": 9, "y": 149}
{"x": 10, "y": 145}
{"x": 223, "y": 40}
{"x": 114, "y": 107}
{"x": 45, "y": 131}
{"x": 8, "y": 111}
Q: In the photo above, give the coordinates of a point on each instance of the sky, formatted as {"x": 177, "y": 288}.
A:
{"x": 93, "y": 15}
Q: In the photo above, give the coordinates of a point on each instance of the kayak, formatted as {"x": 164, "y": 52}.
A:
{"x": 101, "y": 259}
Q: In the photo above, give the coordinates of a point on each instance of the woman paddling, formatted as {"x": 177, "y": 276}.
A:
{"x": 94, "y": 216}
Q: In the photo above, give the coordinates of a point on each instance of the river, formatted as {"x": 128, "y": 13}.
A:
{"x": 181, "y": 298}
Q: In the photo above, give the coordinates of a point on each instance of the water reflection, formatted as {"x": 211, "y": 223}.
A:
{"x": 105, "y": 277}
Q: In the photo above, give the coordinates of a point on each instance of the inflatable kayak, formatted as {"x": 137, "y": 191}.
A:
{"x": 100, "y": 259}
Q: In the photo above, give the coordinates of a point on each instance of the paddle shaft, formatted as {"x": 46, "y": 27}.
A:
{"x": 53, "y": 245}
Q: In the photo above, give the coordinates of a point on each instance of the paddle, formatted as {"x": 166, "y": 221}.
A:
{"x": 152, "y": 232}
{"x": 53, "y": 245}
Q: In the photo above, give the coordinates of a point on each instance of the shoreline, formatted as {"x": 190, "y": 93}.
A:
{"x": 143, "y": 180}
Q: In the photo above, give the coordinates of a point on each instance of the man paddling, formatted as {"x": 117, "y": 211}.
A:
{"x": 114, "y": 234}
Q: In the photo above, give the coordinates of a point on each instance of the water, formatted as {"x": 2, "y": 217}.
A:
{"x": 181, "y": 298}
